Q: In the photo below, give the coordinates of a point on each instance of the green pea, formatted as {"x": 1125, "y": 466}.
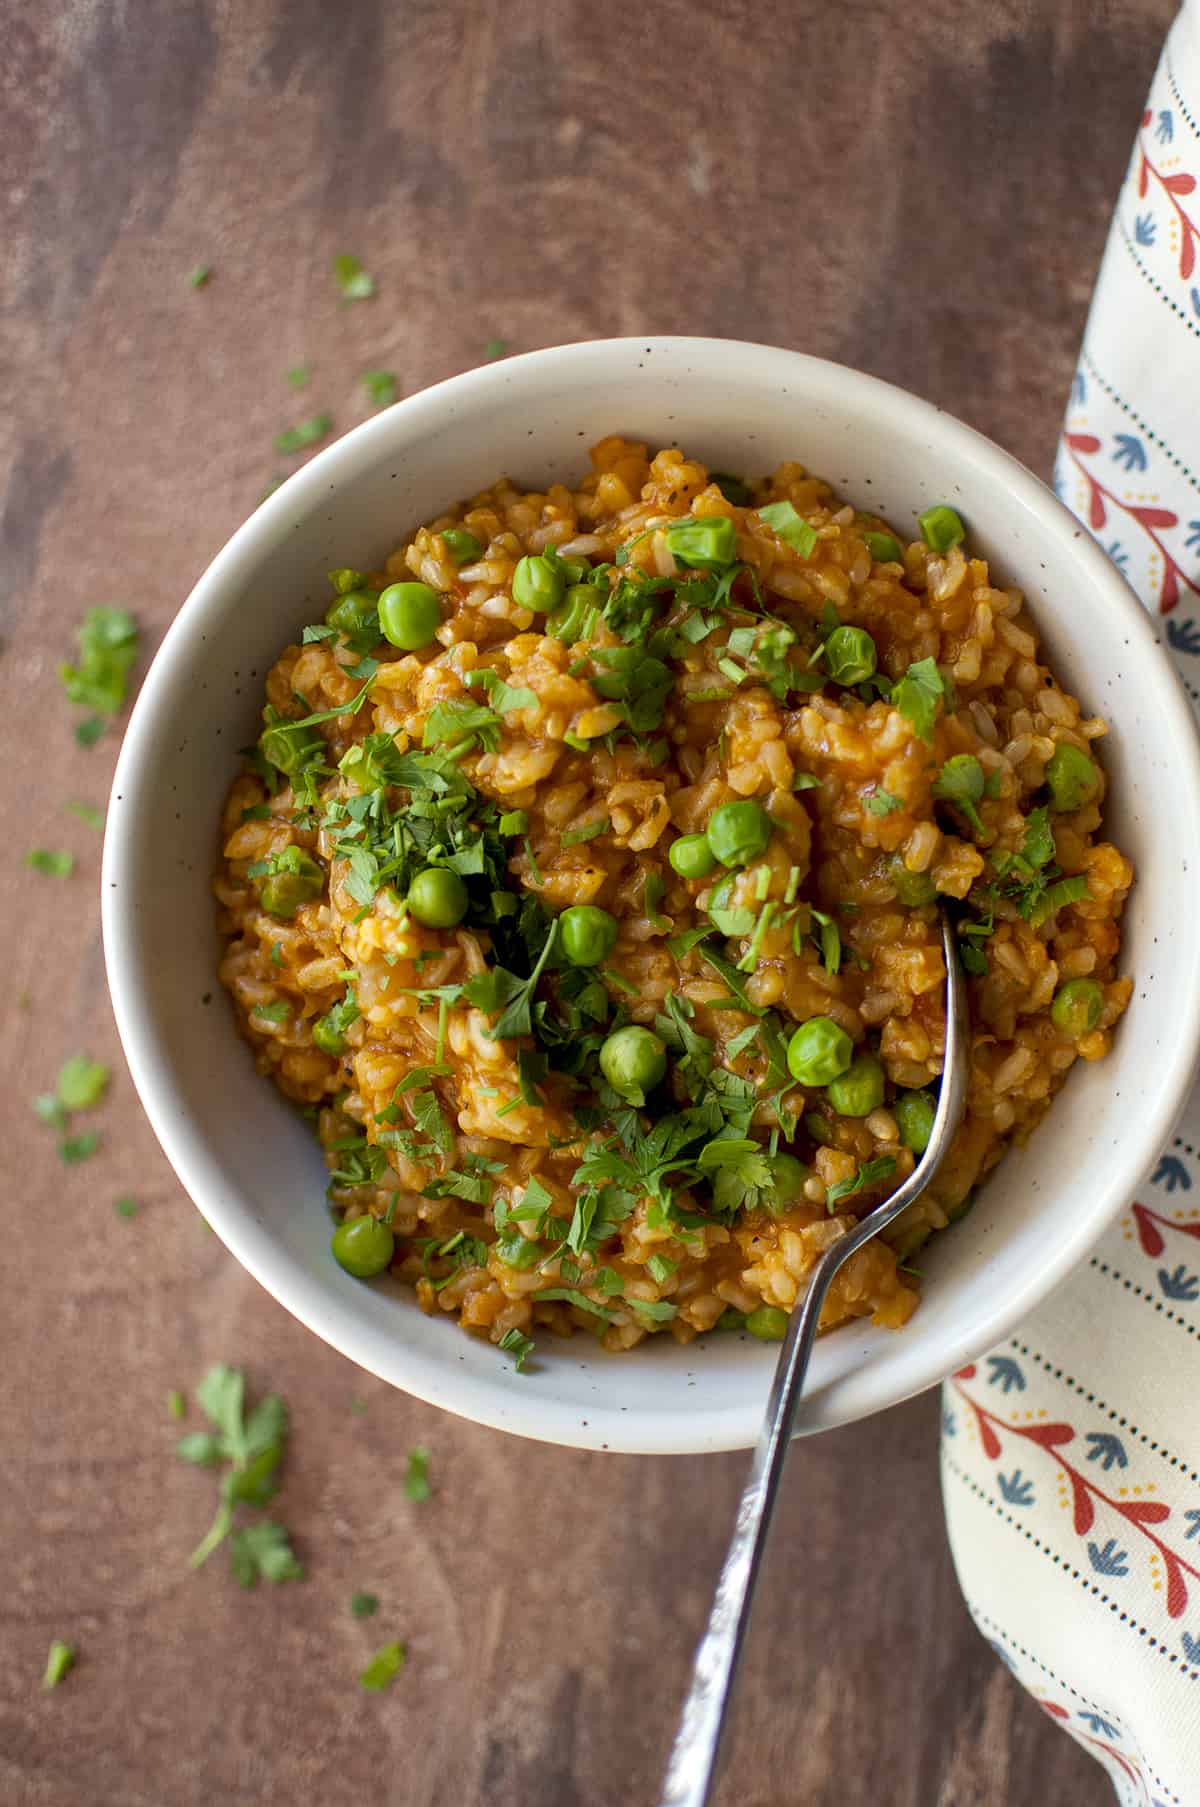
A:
{"x": 884, "y": 548}
{"x": 915, "y": 1112}
{"x": 289, "y": 748}
{"x": 569, "y": 619}
{"x": 327, "y": 1036}
{"x": 691, "y": 856}
{"x": 859, "y": 1090}
{"x": 850, "y": 655}
{"x": 538, "y": 584}
{"x": 586, "y": 934}
{"x": 438, "y": 898}
{"x": 1077, "y": 1006}
{"x": 462, "y": 546}
{"x": 941, "y": 528}
{"x": 1073, "y": 778}
{"x": 912, "y": 888}
{"x": 363, "y": 1246}
{"x": 351, "y": 613}
{"x": 410, "y": 615}
{"x": 296, "y": 880}
{"x": 633, "y": 1060}
{"x": 788, "y": 1179}
{"x": 819, "y": 1051}
{"x": 701, "y": 542}
{"x": 768, "y": 1323}
{"x": 738, "y": 832}
{"x": 518, "y": 1251}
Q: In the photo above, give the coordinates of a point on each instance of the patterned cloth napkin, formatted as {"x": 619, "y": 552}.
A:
{"x": 1071, "y": 1453}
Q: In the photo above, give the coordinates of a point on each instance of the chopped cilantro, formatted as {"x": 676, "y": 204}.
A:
{"x": 503, "y": 697}
{"x": 514, "y": 1342}
{"x": 58, "y": 1663}
{"x": 82, "y": 1083}
{"x": 804, "y": 781}
{"x": 250, "y": 1449}
{"x": 89, "y": 730}
{"x": 125, "y": 1206}
{"x": 961, "y": 782}
{"x": 108, "y": 647}
{"x": 503, "y": 991}
{"x": 416, "y": 1479}
{"x": 351, "y": 278}
{"x": 87, "y": 812}
{"x": 383, "y": 1668}
{"x": 298, "y": 375}
{"x": 495, "y": 348}
{"x": 586, "y": 832}
{"x": 364, "y": 1606}
{"x": 199, "y": 276}
{"x": 782, "y": 518}
{"x": 176, "y": 1404}
{"x": 380, "y": 386}
{"x": 262, "y": 1552}
{"x": 53, "y": 864}
{"x": 308, "y": 432}
{"x": 828, "y": 940}
{"x": 881, "y": 803}
{"x": 868, "y": 1174}
{"x": 917, "y": 696}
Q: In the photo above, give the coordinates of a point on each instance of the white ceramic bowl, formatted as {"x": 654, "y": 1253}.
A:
{"x": 252, "y": 1166}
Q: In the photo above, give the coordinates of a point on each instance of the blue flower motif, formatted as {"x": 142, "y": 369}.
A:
{"x": 1103, "y": 1728}
{"x": 1171, "y": 1172}
{"x": 1130, "y": 452}
{"x": 1103, "y": 1447}
{"x": 1118, "y": 555}
{"x": 1193, "y": 1518}
{"x": 1179, "y": 1284}
{"x": 1164, "y": 131}
{"x": 1079, "y": 387}
{"x": 949, "y": 1422}
{"x": 1191, "y": 1648}
{"x": 1005, "y": 1373}
{"x": 1015, "y": 1488}
{"x": 1196, "y": 300}
{"x": 1193, "y": 538}
{"x": 1109, "y": 1560}
{"x": 1144, "y": 229}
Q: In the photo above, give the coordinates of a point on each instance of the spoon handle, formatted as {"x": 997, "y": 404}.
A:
{"x": 692, "y": 1767}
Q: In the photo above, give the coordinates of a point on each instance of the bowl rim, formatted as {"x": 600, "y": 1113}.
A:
{"x": 918, "y": 1365}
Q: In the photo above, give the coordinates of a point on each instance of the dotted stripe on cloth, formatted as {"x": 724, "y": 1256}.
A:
{"x": 1111, "y": 1273}
{"x": 1155, "y": 284}
{"x": 1090, "y": 1398}
{"x": 1005, "y": 1637}
{"x": 1178, "y": 97}
{"x": 1085, "y": 357}
{"x": 1068, "y": 1568}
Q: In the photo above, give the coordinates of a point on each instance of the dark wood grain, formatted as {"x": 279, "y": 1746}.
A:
{"x": 921, "y": 193}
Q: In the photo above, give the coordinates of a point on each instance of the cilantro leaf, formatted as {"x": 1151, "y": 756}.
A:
{"x": 364, "y": 1606}
{"x": 881, "y": 803}
{"x": 499, "y": 989}
{"x": 351, "y": 278}
{"x": 308, "y": 432}
{"x": 262, "y": 1552}
{"x": 87, "y": 812}
{"x": 383, "y": 1668}
{"x": 52, "y": 864}
{"x": 199, "y": 276}
{"x": 917, "y": 696}
{"x": 59, "y": 1662}
{"x": 380, "y": 386}
{"x": 514, "y": 1342}
{"x": 108, "y": 646}
{"x": 868, "y": 1174}
{"x": 458, "y": 724}
{"x": 502, "y": 697}
{"x": 416, "y": 1479}
{"x": 961, "y": 782}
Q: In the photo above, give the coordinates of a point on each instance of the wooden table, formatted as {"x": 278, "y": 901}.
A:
{"x": 926, "y": 200}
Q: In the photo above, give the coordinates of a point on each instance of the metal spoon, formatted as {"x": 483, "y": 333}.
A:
{"x": 692, "y": 1768}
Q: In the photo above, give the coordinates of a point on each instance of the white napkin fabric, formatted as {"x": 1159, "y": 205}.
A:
{"x": 1071, "y": 1453}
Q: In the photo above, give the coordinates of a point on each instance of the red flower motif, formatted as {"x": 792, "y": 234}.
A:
{"x": 1150, "y": 1236}
{"x": 1174, "y": 185}
{"x": 1101, "y": 498}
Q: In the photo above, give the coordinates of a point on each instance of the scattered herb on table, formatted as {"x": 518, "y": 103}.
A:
{"x": 298, "y": 375}
{"x": 125, "y": 1206}
{"x": 364, "y": 1606}
{"x": 199, "y": 276}
{"x": 416, "y": 1480}
{"x": 495, "y": 348}
{"x": 87, "y": 812}
{"x": 351, "y": 278}
{"x": 108, "y": 646}
{"x": 250, "y": 1449}
{"x": 383, "y": 1668}
{"x": 176, "y": 1404}
{"x": 53, "y": 864}
{"x": 307, "y": 433}
{"x": 58, "y": 1663}
{"x": 380, "y": 386}
{"x": 81, "y": 1084}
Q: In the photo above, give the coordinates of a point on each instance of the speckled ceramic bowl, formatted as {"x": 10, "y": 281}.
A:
{"x": 251, "y": 1164}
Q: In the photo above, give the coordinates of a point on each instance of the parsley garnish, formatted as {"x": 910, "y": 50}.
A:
{"x": 87, "y": 812}
{"x": 514, "y": 1342}
{"x": 586, "y": 832}
{"x": 294, "y": 439}
{"x": 59, "y": 1662}
{"x": 495, "y": 348}
{"x": 351, "y": 278}
{"x": 364, "y": 1606}
{"x": 108, "y": 647}
{"x": 867, "y": 1175}
{"x": 882, "y": 803}
{"x": 199, "y": 276}
{"x": 501, "y": 990}
{"x": 380, "y": 386}
{"x": 298, "y": 375}
{"x": 52, "y": 864}
{"x": 503, "y": 697}
{"x": 250, "y": 1450}
{"x": 917, "y": 696}
{"x": 416, "y": 1479}
{"x": 961, "y": 782}
{"x": 125, "y": 1206}
{"x": 383, "y": 1668}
